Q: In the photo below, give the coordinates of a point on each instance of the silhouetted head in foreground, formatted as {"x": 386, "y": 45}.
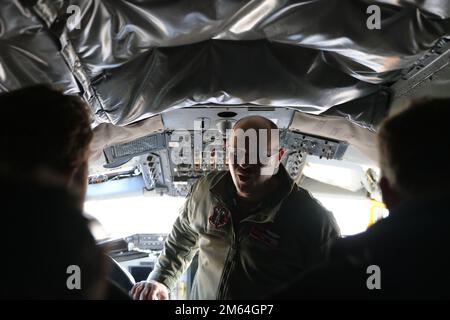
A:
{"x": 414, "y": 152}
{"x": 46, "y": 129}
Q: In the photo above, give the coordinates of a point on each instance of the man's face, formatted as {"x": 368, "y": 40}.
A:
{"x": 252, "y": 162}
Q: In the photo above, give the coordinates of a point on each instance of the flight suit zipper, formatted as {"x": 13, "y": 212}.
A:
{"x": 231, "y": 261}
{"x": 229, "y": 265}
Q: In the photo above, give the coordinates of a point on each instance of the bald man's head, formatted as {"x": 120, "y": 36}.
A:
{"x": 259, "y": 129}
{"x": 255, "y": 122}
{"x": 254, "y": 154}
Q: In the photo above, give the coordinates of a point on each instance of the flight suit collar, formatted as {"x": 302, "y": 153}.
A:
{"x": 225, "y": 190}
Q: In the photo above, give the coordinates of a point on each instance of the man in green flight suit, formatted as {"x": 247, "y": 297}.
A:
{"x": 253, "y": 228}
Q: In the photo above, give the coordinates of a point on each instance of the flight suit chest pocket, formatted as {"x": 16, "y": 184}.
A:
{"x": 259, "y": 237}
{"x": 261, "y": 250}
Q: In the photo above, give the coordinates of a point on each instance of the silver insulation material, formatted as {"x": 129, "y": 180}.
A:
{"x": 133, "y": 59}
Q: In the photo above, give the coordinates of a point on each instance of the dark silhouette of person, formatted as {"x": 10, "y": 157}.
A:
{"x": 47, "y": 134}
{"x": 49, "y": 252}
{"x": 404, "y": 256}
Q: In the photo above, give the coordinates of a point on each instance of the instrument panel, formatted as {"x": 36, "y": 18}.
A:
{"x": 171, "y": 161}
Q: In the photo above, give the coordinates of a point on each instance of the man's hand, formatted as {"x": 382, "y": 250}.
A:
{"x": 149, "y": 290}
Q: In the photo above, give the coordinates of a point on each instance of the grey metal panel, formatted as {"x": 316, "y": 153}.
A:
{"x": 428, "y": 77}
{"x": 183, "y": 119}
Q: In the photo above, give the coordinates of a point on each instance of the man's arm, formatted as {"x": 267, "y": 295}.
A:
{"x": 179, "y": 250}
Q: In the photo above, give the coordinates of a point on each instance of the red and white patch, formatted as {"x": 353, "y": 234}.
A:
{"x": 220, "y": 217}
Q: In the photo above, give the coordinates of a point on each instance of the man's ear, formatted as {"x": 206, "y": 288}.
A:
{"x": 391, "y": 198}
{"x": 68, "y": 176}
{"x": 280, "y": 154}
{"x": 78, "y": 181}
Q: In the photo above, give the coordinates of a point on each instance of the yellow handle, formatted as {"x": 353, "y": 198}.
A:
{"x": 376, "y": 211}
